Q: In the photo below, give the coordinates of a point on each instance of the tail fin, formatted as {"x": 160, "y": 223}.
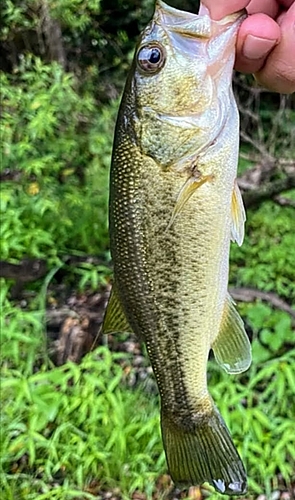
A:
{"x": 203, "y": 453}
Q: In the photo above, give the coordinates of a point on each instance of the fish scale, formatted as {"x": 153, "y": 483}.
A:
{"x": 174, "y": 206}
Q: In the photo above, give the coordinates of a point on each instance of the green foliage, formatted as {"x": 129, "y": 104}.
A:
{"x": 272, "y": 331}
{"x": 75, "y": 422}
{"x": 259, "y": 408}
{"x": 57, "y": 145}
{"x": 63, "y": 427}
{"x": 22, "y": 335}
{"x": 13, "y": 15}
{"x": 42, "y": 108}
{"x": 74, "y": 14}
{"x": 89, "y": 276}
{"x": 266, "y": 259}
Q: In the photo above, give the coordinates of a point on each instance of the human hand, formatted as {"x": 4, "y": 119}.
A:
{"x": 266, "y": 40}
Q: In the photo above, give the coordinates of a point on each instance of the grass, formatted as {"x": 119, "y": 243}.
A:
{"x": 65, "y": 429}
{"x": 259, "y": 409}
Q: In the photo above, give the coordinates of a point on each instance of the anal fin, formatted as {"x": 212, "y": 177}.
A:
{"x": 232, "y": 348}
{"x": 114, "y": 318}
{"x": 238, "y": 216}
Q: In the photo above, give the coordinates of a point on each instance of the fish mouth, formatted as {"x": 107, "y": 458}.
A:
{"x": 198, "y": 34}
{"x": 196, "y": 25}
{"x": 182, "y": 22}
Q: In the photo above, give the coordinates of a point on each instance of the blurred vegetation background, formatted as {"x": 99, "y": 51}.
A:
{"x": 69, "y": 431}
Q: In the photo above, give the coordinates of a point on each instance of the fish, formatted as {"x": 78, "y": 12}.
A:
{"x": 174, "y": 208}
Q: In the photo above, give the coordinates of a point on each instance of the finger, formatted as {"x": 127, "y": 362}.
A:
{"x": 269, "y": 7}
{"x": 257, "y": 36}
{"x": 286, "y": 3}
{"x": 278, "y": 74}
{"x": 218, "y": 10}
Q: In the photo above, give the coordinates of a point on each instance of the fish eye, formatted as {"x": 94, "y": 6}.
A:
{"x": 150, "y": 58}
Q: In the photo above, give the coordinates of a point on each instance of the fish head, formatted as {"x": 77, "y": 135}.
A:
{"x": 182, "y": 67}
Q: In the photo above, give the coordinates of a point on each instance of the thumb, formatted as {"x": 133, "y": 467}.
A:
{"x": 278, "y": 73}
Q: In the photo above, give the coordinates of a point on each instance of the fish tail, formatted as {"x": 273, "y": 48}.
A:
{"x": 203, "y": 452}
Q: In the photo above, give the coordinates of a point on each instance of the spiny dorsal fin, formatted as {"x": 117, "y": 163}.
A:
{"x": 114, "y": 318}
{"x": 231, "y": 347}
{"x": 238, "y": 216}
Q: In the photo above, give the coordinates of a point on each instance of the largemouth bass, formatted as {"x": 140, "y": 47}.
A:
{"x": 174, "y": 207}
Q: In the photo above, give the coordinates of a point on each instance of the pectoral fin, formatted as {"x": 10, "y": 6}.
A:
{"x": 114, "y": 318}
{"x": 188, "y": 189}
{"x": 238, "y": 215}
{"x": 232, "y": 348}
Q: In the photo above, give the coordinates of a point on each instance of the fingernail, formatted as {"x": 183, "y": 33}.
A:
{"x": 257, "y": 48}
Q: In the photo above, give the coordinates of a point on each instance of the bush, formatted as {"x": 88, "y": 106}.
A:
{"x": 56, "y": 155}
